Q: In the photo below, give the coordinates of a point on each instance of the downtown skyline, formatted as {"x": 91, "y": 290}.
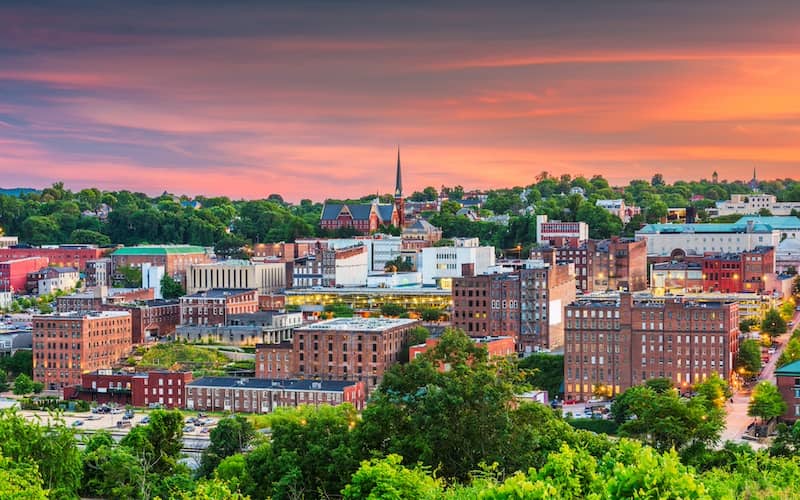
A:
{"x": 311, "y": 100}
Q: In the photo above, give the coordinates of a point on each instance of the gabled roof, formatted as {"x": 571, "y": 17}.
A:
{"x": 359, "y": 211}
{"x": 385, "y": 213}
{"x": 790, "y": 370}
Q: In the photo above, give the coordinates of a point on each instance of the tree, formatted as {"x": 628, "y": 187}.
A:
{"x": 544, "y": 371}
{"x": 787, "y": 442}
{"x": 748, "y": 359}
{"x": 714, "y": 390}
{"x": 387, "y": 478}
{"x": 171, "y": 288}
{"x": 657, "y": 180}
{"x": 430, "y": 314}
{"x": 23, "y": 385}
{"x": 89, "y": 237}
{"x": 766, "y": 402}
{"x": 660, "y": 385}
{"x": 129, "y": 277}
{"x": 398, "y": 264}
{"x": 773, "y": 323}
{"x": 231, "y": 435}
{"x": 746, "y": 325}
{"x": 158, "y": 444}
{"x": 392, "y": 310}
{"x": 3, "y": 381}
{"x": 20, "y": 481}
{"x": 339, "y": 310}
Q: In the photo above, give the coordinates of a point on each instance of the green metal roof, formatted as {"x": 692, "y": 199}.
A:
{"x": 792, "y": 369}
{"x": 159, "y": 250}
{"x": 775, "y": 221}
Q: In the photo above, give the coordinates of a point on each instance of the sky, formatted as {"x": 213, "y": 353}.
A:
{"x": 311, "y": 99}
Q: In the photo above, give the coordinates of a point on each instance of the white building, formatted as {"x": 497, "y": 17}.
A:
{"x": 697, "y": 239}
{"x": 58, "y": 278}
{"x": 558, "y": 233}
{"x": 151, "y": 278}
{"x": 787, "y": 256}
{"x": 266, "y": 277}
{"x": 394, "y": 280}
{"x": 440, "y": 264}
{"x": 8, "y": 241}
{"x": 381, "y": 248}
{"x": 746, "y": 204}
{"x": 619, "y": 208}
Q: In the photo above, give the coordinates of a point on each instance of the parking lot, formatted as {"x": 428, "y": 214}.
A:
{"x": 109, "y": 421}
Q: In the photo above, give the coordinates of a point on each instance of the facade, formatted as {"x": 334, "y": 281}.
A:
{"x": 363, "y": 299}
{"x": 612, "y": 264}
{"x": 151, "y": 320}
{"x": 63, "y": 255}
{"x": 271, "y": 302}
{"x": 254, "y": 395}
{"x": 787, "y": 256}
{"x": 441, "y": 264}
{"x": 67, "y": 344}
{"x": 525, "y": 304}
{"x": 421, "y": 234}
{"x": 358, "y": 349}
{"x": 619, "y": 208}
{"x": 753, "y": 203}
{"x": 266, "y": 277}
{"x": 14, "y": 273}
{"x": 212, "y": 307}
{"x": 246, "y": 329}
{"x": 328, "y": 267}
{"x": 787, "y": 379}
{"x": 98, "y": 272}
{"x": 279, "y": 252}
{"x": 367, "y": 218}
{"x": 743, "y": 272}
{"x": 676, "y": 278}
{"x": 52, "y": 279}
{"x": 8, "y": 241}
{"x": 676, "y": 240}
{"x": 615, "y": 342}
{"x": 176, "y": 259}
{"x": 557, "y": 233}
{"x": 164, "y": 388}
{"x": 152, "y": 277}
{"x": 100, "y": 297}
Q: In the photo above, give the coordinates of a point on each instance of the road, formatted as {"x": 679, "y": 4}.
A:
{"x": 737, "y": 420}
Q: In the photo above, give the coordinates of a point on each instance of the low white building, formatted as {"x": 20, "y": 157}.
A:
{"x": 266, "y": 277}
{"x": 697, "y": 239}
{"x": 753, "y": 203}
{"x": 619, "y": 208}
{"x": 787, "y": 256}
{"x": 439, "y": 265}
{"x": 58, "y": 278}
{"x": 394, "y": 280}
{"x": 380, "y": 248}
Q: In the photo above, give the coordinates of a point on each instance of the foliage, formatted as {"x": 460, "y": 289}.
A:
{"x": 765, "y": 401}
{"x": 773, "y": 323}
{"x": 159, "y": 443}
{"x": 20, "y": 481}
{"x": 391, "y": 309}
{"x": 597, "y": 425}
{"x": 787, "y": 441}
{"x": 23, "y": 385}
{"x": 129, "y": 277}
{"x": 748, "y": 360}
{"x": 399, "y": 264}
{"x": 18, "y": 363}
{"x": 231, "y": 435}
{"x": 339, "y": 310}
{"x": 544, "y": 371}
{"x": 791, "y": 352}
{"x": 430, "y": 314}
{"x": 90, "y": 237}
{"x": 171, "y": 288}
{"x": 3, "y": 381}
{"x": 714, "y": 390}
{"x": 659, "y": 385}
{"x": 179, "y": 356}
{"x": 746, "y": 325}
{"x": 387, "y": 478}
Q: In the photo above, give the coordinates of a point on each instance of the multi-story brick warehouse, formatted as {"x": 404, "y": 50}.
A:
{"x": 175, "y": 259}
{"x": 525, "y": 304}
{"x": 64, "y": 255}
{"x": 14, "y": 273}
{"x": 65, "y": 345}
{"x": 359, "y": 349}
{"x": 616, "y": 341}
{"x": 600, "y": 265}
{"x": 253, "y": 395}
{"x": 164, "y": 388}
{"x": 150, "y": 319}
{"x": 738, "y": 272}
{"x": 212, "y": 307}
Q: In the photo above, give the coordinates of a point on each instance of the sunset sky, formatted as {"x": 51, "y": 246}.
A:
{"x": 310, "y": 99}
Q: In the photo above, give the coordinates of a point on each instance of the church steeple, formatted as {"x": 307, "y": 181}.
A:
{"x": 398, "y": 183}
{"x": 754, "y": 181}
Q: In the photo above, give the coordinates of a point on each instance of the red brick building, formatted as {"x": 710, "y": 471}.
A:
{"x": 102, "y": 297}
{"x": 62, "y": 256}
{"x": 164, "y": 388}
{"x": 613, "y": 343}
{"x": 280, "y": 252}
{"x": 14, "y": 273}
{"x": 525, "y": 304}
{"x": 253, "y": 395}
{"x": 150, "y": 319}
{"x": 495, "y": 346}
{"x": 360, "y": 349}
{"x": 271, "y": 302}
{"x": 738, "y": 272}
{"x": 65, "y": 345}
{"x": 788, "y": 381}
{"x": 212, "y": 307}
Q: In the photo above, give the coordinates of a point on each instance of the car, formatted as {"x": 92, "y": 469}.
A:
{"x": 570, "y": 401}
{"x": 188, "y": 428}
{"x": 204, "y": 430}
{"x": 191, "y": 420}
{"x": 116, "y": 411}
{"x": 771, "y": 351}
{"x": 127, "y": 416}
{"x": 93, "y": 417}
{"x": 77, "y": 423}
{"x": 123, "y": 423}
{"x": 146, "y": 419}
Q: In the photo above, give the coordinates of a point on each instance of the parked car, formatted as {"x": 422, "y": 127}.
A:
{"x": 77, "y": 423}
{"x": 146, "y": 419}
{"x": 123, "y": 423}
{"x": 188, "y": 428}
{"x": 116, "y": 411}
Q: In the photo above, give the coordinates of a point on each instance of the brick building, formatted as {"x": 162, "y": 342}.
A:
{"x": 616, "y": 341}
{"x": 175, "y": 259}
{"x": 14, "y": 273}
{"x": 557, "y": 233}
{"x": 213, "y": 307}
{"x": 271, "y": 302}
{"x": 264, "y": 327}
{"x": 747, "y": 271}
{"x": 496, "y": 346}
{"x": 67, "y": 344}
{"x": 254, "y": 395}
{"x": 525, "y": 304}
{"x": 279, "y": 252}
{"x": 150, "y": 319}
{"x": 63, "y": 255}
{"x": 98, "y": 272}
{"x": 100, "y": 297}
{"x": 359, "y": 349}
{"x": 164, "y": 388}
{"x": 600, "y": 265}
{"x": 787, "y": 379}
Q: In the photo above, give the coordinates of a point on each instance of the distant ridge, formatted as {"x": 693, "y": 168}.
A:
{"x": 17, "y": 191}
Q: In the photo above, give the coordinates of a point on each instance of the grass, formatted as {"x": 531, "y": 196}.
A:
{"x": 178, "y": 356}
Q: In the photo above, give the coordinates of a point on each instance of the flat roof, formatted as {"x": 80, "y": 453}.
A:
{"x": 406, "y": 290}
{"x": 358, "y": 324}
{"x": 260, "y": 383}
{"x": 84, "y": 314}
{"x": 159, "y": 250}
{"x": 220, "y": 292}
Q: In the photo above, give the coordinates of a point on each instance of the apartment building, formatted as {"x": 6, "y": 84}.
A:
{"x": 164, "y": 388}
{"x": 212, "y": 307}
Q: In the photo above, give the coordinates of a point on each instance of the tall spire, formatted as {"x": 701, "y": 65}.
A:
{"x": 398, "y": 184}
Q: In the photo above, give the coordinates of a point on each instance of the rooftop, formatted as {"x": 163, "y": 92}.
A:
{"x": 359, "y": 324}
{"x": 289, "y": 385}
{"x": 792, "y": 369}
{"x": 237, "y": 263}
{"x": 160, "y": 250}
{"x": 220, "y": 292}
{"x": 84, "y": 314}
{"x": 774, "y": 221}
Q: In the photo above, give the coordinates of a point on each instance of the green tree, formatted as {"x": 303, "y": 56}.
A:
{"x": 430, "y": 314}
{"x": 787, "y": 441}
{"x": 388, "y": 478}
{"x": 544, "y": 371}
{"x": 89, "y": 237}
{"x": 158, "y": 444}
{"x": 23, "y": 385}
{"x": 748, "y": 359}
{"x": 766, "y": 402}
{"x": 129, "y": 277}
{"x": 791, "y": 352}
{"x": 714, "y": 390}
{"x": 3, "y": 381}
{"x": 231, "y": 435}
{"x": 773, "y": 323}
{"x": 660, "y": 385}
{"x": 746, "y": 325}
{"x": 339, "y": 310}
{"x": 20, "y": 481}
{"x": 171, "y": 288}
{"x": 392, "y": 310}
{"x": 39, "y": 230}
